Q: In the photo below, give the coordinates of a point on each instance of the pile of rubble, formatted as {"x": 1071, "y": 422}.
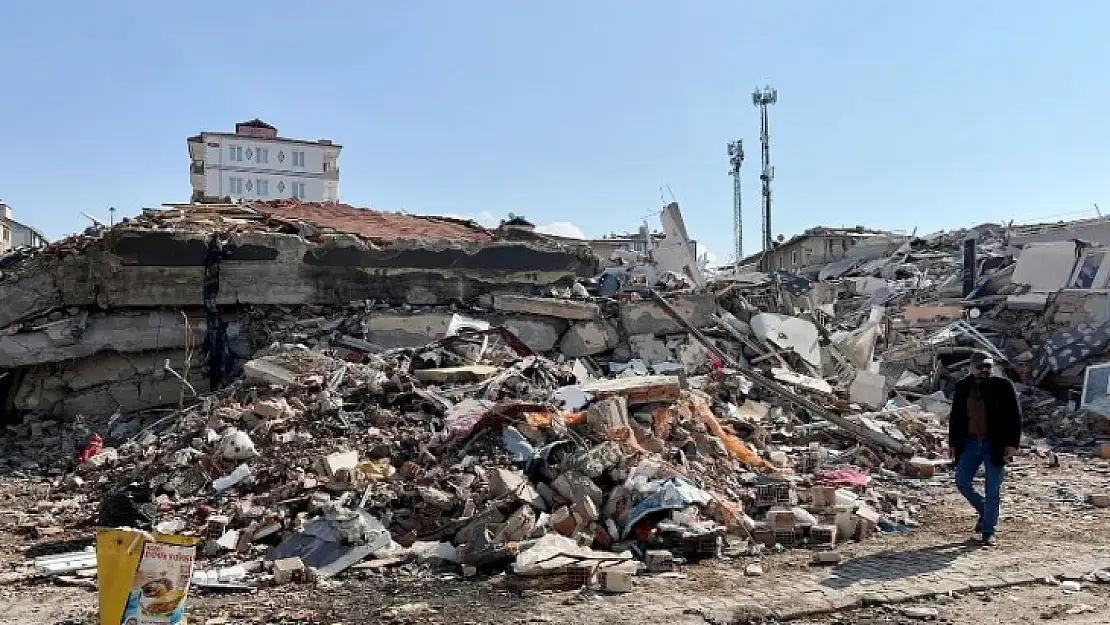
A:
{"x": 471, "y": 450}
{"x": 313, "y": 388}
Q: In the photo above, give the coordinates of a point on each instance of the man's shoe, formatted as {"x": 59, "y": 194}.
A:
{"x": 990, "y": 540}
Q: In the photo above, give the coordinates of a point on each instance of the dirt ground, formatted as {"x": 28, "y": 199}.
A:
{"x": 1044, "y": 517}
{"x": 1026, "y": 604}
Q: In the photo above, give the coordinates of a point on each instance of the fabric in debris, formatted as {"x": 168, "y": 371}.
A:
{"x": 1068, "y": 347}
{"x": 850, "y": 478}
{"x": 673, "y": 493}
{"x": 794, "y": 284}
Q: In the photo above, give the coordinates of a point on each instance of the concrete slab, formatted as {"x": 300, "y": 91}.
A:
{"x": 646, "y": 317}
{"x": 84, "y": 335}
{"x": 575, "y": 310}
{"x": 589, "y": 338}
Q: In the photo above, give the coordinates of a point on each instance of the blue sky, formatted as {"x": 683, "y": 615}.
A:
{"x": 914, "y": 114}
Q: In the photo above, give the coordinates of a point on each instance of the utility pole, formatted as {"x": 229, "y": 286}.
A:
{"x": 735, "y": 160}
{"x": 761, "y": 98}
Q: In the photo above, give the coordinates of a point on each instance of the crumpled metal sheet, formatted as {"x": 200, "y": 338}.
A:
{"x": 335, "y": 541}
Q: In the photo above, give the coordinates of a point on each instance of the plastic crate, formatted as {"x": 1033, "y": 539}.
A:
{"x": 704, "y": 546}
{"x": 774, "y": 494}
{"x": 786, "y": 537}
{"x": 822, "y": 536}
{"x": 578, "y": 575}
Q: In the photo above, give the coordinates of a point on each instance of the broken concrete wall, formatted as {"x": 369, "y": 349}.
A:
{"x": 1074, "y": 307}
{"x": 107, "y": 382}
{"x": 676, "y": 252}
{"x": 1045, "y": 266}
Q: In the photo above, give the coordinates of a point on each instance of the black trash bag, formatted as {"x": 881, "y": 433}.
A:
{"x": 130, "y": 506}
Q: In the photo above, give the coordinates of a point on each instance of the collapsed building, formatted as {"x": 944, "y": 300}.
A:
{"x": 90, "y": 323}
{"x": 270, "y": 375}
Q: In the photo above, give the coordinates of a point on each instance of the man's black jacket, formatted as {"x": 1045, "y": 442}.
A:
{"x": 1003, "y": 416}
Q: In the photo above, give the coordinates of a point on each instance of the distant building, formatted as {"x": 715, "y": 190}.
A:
{"x": 814, "y": 247}
{"x": 639, "y": 242}
{"x": 516, "y": 223}
{"x": 254, "y": 163}
{"x": 14, "y": 235}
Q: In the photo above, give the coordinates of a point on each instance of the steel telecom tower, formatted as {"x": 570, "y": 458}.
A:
{"x": 735, "y": 160}
{"x": 762, "y": 98}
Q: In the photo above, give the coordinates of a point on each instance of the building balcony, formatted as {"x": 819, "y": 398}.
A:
{"x": 197, "y": 168}
{"x": 331, "y": 174}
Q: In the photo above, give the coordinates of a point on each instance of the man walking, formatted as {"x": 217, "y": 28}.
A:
{"x": 984, "y": 429}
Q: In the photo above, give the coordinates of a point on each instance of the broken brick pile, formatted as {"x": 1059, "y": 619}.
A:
{"x": 570, "y": 427}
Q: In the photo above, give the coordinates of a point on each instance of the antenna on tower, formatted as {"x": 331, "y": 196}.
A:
{"x": 762, "y": 98}
{"x": 735, "y": 161}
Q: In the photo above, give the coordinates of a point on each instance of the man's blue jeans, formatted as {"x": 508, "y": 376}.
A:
{"x": 977, "y": 453}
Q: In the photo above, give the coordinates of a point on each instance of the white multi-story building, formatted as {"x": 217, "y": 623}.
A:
{"x": 254, "y": 163}
{"x": 14, "y": 235}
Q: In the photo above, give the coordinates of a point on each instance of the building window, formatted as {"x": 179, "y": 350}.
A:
{"x": 235, "y": 153}
{"x": 298, "y": 158}
{"x": 325, "y": 165}
{"x": 298, "y": 189}
{"x": 263, "y": 186}
{"x": 235, "y": 185}
{"x": 794, "y": 258}
{"x": 1084, "y": 275}
{"x": 263, "y": 156}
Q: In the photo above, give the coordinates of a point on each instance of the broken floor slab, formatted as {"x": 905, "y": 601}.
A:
{"x": 266, "y": 371}
{"x": 792, "y": 333}
{"x": 574, "y": 310}
{"x": 390, "y": 329}
{"x": 650, "y": 349}
{"x": 83, "y": 335}
{"x": 398, "y": 329}
{"x": 467, "y": 373}
{"x": 645, "y": 317}
{"x": 868, "y": 389}
{"x": 540, "y": 334}
{"x": 589, "y": 338}
{"x": 161, "y": 268}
